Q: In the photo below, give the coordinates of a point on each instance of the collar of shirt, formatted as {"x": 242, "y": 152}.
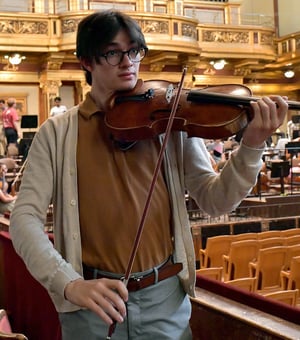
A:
{"x": 88, "y": 107}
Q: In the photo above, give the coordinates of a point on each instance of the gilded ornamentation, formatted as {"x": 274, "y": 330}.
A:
{"x": 54, "y": 65}
{"x": 157, "y": 67}
{"x": 23, "y": 27}
{"x": 69, "y": 25}
{"x": 161, "y": 27}
{"x": 242, "y": 71}
{"x": 266, "y": 39}
{"x": 50, "y": 87}
{"x": 226, "y": 36}
{"x": 189, "y": 31}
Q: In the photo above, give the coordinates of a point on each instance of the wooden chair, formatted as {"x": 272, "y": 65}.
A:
{"x": 271, "y": 242}
{"x": 291, "y": 251}
{"x": 291, "y": 279}
{"x": 214, "y": 273}
{"x": 290, "y": 232}
{"x": 245, "y": 283}
{"x": 286, "y": 296}
{"x": 5, "y": 328}
{"x": 292, "y": 240}
{"x": 267, "y": 268}
{"x": 268, "y": 234}
{"x": 244, "y": 236}
{"x": 216, "y": 247}
{"x": 236, "y": 263}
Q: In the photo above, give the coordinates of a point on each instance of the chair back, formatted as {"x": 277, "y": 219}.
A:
{"x": 292, "y": 240}
{"x": 214, "y": 273}
{"x": 240, "y": 254}
{"x": 271, "y": 242}
{"x": 245, "y": 283}
{"x": 269, "y": 264}
{"x": 290, "y": 232}
{"x": 244, "y": 236}
{"x": 216, "y": 247}
{"x": 286, "y": 296}
{"x": 268, "y": 234}
{"x": 294, "y": 277}
{"x": 291, "y": 251}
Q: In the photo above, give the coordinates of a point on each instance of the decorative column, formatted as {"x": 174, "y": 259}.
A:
{"x": 50, "y": 90}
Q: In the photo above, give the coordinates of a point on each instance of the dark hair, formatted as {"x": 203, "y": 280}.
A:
{"x": 57, "y": 99}
{"x": 2, "y": 101}
{"x": 97, "y": 30}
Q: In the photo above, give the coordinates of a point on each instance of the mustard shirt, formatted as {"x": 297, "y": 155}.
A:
{"x": 113, "y": 188}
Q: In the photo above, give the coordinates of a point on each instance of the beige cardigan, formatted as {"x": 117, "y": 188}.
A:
{"x": 51, "y": 176}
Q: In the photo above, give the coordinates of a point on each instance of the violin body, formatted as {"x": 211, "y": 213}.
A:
{"x": 144, "y": 112}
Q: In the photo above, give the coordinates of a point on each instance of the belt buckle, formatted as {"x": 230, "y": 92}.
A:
{"x": 136, "y": 278}
{"x": 133, "y": 278}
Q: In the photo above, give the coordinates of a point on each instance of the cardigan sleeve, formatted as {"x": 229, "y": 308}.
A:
{"x": 219, "y": 193}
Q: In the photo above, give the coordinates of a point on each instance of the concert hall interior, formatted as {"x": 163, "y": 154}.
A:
{"x": 247, "y": 279}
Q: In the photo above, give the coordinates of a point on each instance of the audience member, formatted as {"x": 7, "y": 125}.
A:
{"x": 7, "y": 201}
{"x": 2, "y": 133}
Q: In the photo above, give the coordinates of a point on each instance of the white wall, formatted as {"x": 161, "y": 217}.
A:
{"x": 67, "y": 95}
{"x": 31, "y": 93}
{"x": 288, "y": 13}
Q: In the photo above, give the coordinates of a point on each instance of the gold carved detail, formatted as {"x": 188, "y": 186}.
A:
{"x": 24, "y": 27}
{"x": 242, "y": 71}
{"x": 54, "y": 65}
{"x": 266, "y": 39}
{"x": 157, "y": 67}
{"x": 155, "y": 26}
{"x": 189, "y": 31}
{"x": 50, "y": 86}
{"x": 69, "y": 25}
{"x": 226, "y": 37}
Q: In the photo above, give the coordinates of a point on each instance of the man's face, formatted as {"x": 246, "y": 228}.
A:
{"x": 3, "y": 169}
{"x": 108, "y": 78}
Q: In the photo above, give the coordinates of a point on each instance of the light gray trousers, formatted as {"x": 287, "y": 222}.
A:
{"x": 158, "y": 312}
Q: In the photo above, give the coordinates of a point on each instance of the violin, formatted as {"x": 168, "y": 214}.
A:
{"x": 213, "y": 112}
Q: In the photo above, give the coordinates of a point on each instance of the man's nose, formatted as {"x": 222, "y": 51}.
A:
{"x": 126, "y": 60}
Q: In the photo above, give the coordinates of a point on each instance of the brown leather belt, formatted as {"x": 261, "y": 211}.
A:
{"x": 137, "y": 283}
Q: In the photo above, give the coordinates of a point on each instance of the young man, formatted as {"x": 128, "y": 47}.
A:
{"x": 99, "y": 187}
{"x": 58, "y": 108}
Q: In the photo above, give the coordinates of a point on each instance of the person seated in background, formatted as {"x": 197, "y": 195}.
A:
{"x": 7, "y": 201}
{"x": 3, "y": 181}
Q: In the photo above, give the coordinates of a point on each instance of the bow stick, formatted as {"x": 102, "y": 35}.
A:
{"x": 150, "y": 193}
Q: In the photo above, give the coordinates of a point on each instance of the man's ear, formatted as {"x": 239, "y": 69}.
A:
{"x": 86, "y": 64}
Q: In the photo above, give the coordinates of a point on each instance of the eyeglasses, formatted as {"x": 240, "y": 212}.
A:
{"x": 115, "y": 57}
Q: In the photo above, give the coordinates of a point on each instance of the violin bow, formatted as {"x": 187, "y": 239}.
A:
{"x": 18, "y": 174}
{"x": 150, "y": 193}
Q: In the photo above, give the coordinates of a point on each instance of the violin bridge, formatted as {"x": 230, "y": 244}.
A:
{"x": 169, "y": 93}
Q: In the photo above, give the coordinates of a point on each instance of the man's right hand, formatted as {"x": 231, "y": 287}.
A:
{"x": 104, "y": 297}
